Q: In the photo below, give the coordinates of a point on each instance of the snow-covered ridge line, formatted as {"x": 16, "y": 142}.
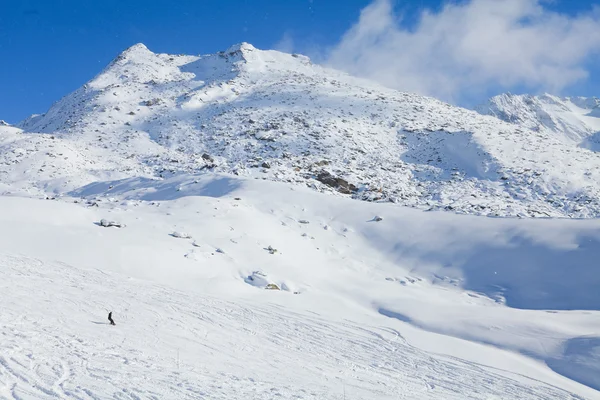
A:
{"x": 277, "y": 116}
{"x": 571, "y": 118}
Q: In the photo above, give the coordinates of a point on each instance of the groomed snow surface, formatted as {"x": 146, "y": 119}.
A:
{"x": 411, "y": 305}
{"x": 210, "y": 202}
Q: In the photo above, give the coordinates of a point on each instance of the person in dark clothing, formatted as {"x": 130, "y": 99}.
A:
{"x": 110, "y": 318}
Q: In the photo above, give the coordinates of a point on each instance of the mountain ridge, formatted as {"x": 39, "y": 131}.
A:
{"x": 276, "y": 116}
{"x": 573, "y": 117}
{"x": 179, "y": 192}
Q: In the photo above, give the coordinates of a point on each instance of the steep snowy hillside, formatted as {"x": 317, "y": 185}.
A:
{"x": 182, "y": 194}
{"x": 276, "y": 116}
{"x": 572, "y": 119}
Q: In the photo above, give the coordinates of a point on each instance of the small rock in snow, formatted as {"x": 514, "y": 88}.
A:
{"x": 106, "y": 224}
{"x": 271, "y": 250}
{"x": 181, "y": 235}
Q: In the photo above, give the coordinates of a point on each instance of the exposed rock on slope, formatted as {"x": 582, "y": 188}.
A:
{"x": 277, "y": 116}
{"x": 573, "y": 119}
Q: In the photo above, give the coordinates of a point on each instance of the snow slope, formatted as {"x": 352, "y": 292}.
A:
{"x": 415, "y": 305}
{"x": 277, "y": 116}
{"x": 174, "y": 345}
{"x": 208, "y": 202}
{"x": 571, "y": 119}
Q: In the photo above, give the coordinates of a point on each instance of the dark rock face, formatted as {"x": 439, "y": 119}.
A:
{"x": 341, "y": 185}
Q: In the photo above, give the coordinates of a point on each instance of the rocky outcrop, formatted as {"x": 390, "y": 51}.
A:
{"x": 341, "y": 185}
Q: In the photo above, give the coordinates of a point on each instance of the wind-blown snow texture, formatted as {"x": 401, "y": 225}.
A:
{"x": 277, "y": 116}
{"x": 406, "y": 307}
{"x": 182, "y": 194}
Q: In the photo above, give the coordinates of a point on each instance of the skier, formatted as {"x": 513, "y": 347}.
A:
{"x": 110, "y": 318}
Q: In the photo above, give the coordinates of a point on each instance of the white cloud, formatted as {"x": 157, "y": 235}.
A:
{"x": 468, "y": 48}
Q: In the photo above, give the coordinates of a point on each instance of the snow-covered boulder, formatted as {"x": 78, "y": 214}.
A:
{"x": 181, "y": 235}
{"x": 107, "y": 224}
{"x": 257, "y": 279}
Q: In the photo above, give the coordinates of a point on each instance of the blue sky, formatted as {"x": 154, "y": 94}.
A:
{"x": 50, "y": 48}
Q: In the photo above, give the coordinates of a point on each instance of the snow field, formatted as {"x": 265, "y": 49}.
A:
{"x": 369, "y": 307}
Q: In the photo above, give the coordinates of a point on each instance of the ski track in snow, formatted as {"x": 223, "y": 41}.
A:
{"x": 54, "y": 346}
{"x": 181, "y": 152}
{"x": 363, "y": 302}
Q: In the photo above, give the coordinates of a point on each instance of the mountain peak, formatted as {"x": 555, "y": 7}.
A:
{"x": 137, "y": 52}
{"x": 273, "y": 115}
{"x": 138, "y": 48}
{"x": 242, "y": 47}
{"x": 135, "y": 64}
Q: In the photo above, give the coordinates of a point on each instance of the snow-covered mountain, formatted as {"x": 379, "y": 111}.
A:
{"x": 572, "y": 119}
{"x": 276, "y": 116}
{"x": 185, "y": 201}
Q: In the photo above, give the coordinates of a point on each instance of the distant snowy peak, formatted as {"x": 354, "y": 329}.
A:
{"x": 595, "y": 112}
{"x": 137, "y": 70}
{"x": 243, "y": 48}
{"x": 572, "y": 118}
{"x": 136, "y": 49}
{"x": 138, "y": 64}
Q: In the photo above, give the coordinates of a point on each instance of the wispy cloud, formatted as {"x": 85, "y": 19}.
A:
{"x": 285, "y": 43}
{"x": 468, "y": 48}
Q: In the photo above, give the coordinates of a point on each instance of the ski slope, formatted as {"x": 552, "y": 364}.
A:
{"x": 411, "y": 305}
{"x": 175, "y": 345}
{"x": 211, "y": 203}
